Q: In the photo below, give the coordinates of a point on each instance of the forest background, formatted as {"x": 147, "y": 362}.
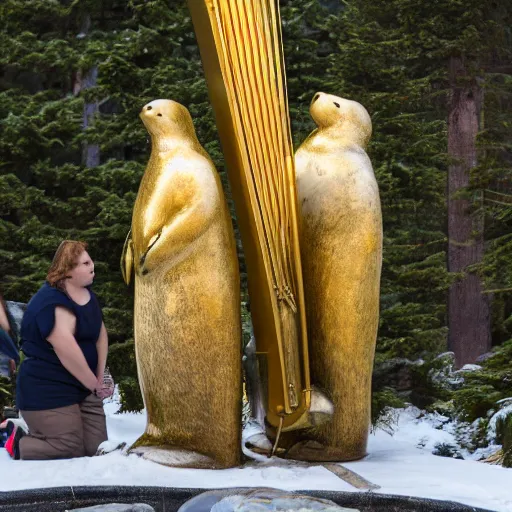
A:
{"x": 436, "y": 78}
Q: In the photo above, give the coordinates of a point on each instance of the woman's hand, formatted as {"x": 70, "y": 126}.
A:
{"x": 102, "y": 392}
{"x": 104, "y": 387}
{"x": 12, "y": 367}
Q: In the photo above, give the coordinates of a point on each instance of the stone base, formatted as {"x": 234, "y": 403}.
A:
{"x": 168, "y": 499}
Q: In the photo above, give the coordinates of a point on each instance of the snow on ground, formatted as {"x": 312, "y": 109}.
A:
{"x": 400, "y": 464}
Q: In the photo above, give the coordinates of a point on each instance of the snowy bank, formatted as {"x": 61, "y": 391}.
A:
{"x": 399, "y": 464}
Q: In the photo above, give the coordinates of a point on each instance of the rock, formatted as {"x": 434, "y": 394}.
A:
{"x": 443, "y": 374}
{"x": 484, "y": 357}
{"x": 445, "y": 359}
{"x": 469, "y": 368}
{"x": 258, "y": 500}
{"x": 446, "y": 408}
{"x": 15, "y": 311}
{"x": 109, "y": 446}
{"x": 116, "y": 507}
{"x": 500, "y": 429}
{"x": 253, "y": 382}
{"x": 255, "y": 438}
{"x": 396, "y": 373}
{"x": 447, "y": 450}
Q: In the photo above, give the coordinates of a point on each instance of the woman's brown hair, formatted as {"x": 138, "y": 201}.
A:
{"x": 65, "y": 259}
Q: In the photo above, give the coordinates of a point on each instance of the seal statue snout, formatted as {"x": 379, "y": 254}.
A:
{"x": 317, "y": 95}
{"x": 147, "y": 111}
{"x": 148, "y": 108}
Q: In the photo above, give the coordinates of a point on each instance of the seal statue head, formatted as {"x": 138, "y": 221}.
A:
{"x": 167, "y": 118}
{"x": 350, "y": 117}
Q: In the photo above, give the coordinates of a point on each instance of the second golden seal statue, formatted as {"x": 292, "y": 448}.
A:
{"x": 341, "y": 250}
{"x": 187, "y": 301}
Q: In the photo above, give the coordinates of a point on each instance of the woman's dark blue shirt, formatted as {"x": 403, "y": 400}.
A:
{"x": 43, "y": 382}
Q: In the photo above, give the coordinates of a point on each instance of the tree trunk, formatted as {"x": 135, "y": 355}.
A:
{"x": 90, "y": 152}
{"x": 468, "y": 308}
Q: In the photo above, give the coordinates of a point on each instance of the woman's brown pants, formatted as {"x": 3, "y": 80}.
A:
{"x": 66, "y": 432}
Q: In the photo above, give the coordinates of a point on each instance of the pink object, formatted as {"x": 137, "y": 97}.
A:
{"x": 9, "y": 444}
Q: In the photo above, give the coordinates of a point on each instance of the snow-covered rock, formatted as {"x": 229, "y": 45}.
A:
{"x": 501, "y": 415}
{"x": 470, "y": 368}
{"x": 259, "y": 500}
{"x": 443, "y": 373}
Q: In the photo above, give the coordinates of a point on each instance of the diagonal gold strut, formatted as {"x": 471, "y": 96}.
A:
{"x": 241, "y": 48}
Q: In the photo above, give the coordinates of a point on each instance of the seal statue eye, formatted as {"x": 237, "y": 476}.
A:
{"x": 316, "y": 97}
{"x": 149, "y": 108}
{"x": 159, "y": 115}
{"x": 337, "y": 104}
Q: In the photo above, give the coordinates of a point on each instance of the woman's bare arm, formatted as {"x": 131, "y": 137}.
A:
{"x": 69, "y": 353}
{"x": 4, "y": 322}
{"x": 102, "y": 347}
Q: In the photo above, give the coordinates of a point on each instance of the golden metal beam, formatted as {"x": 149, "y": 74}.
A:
{"x": 241, "y": 49}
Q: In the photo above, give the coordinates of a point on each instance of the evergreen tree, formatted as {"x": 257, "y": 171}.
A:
{"x": 74, "y": 75}
{"x": 394, "y": 58}
{"x": 408, "y": 153}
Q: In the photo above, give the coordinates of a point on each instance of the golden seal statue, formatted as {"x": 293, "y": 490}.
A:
{"x": 187, "y": 300}
{"x": 341, "y": 250}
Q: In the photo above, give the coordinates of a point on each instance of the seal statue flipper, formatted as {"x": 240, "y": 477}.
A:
{"x": 189, "y": 217}
{"x": 187, "y": 301}
{"x": 127, "y": 259}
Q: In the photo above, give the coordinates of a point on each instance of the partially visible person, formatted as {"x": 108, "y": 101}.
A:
{"x": 9, "y": 355}
{"x": 9, "y": 359}
{"x": 60, "y": 386}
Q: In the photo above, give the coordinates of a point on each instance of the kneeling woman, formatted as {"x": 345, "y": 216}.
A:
{"x": 60, "y": 383}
